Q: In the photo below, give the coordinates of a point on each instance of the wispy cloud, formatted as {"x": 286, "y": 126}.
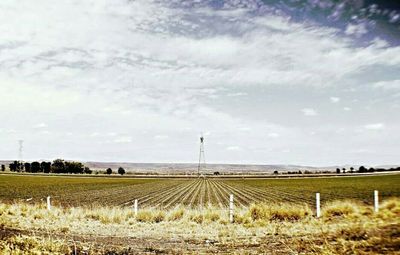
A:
{"x": 309, "y": 112}
{"x": 375, "y": 126}
{"x": 334, "y": 99}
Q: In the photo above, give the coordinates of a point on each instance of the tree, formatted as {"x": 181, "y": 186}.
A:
{"x": 362, "y": 169}
{"x": 338, "y": 170}
{"x": 87, "y": 170}
{"x": 58, "y": 166}
{"x": 109, "y": 171}
{"x": 344, "y": 170}
{"x": 275, "y": 172}
{"x": 45, "y": 167}
{"x": 74, "y": 167}
{"x": 16, "y": 166}
{"x": 121, "y": 171}
{"x": 3, "y": 168}
{"x": 27, "y": 167}
{"x": 13, "y": 167}
{"x": 216, "y": 173}
{"x": 351, "y": 169}
{"x": 35, "y": 167}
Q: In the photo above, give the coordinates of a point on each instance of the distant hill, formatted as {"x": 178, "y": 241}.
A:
{"x": 187, "y": 168}
{"x": 192, "y": 167}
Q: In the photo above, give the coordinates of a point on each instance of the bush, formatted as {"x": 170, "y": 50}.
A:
{"x": 211, "y": 215}
{"x": 339, "y": 208}
{"x": 154, "y": 216}
{"x": 282, "y": 212}
{"x": 121, "y": 171}
{"x": 197, "y": 217}
{"x": 176, "y": 214}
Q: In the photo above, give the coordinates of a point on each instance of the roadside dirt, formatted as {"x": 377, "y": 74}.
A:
{"x": 82, "y": 244}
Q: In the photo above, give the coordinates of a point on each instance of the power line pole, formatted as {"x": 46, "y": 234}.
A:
{"x": 202, "y": 158}
{"x": 20, "y": 149}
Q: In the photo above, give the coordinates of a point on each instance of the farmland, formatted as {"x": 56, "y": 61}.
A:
{"x": 199, "y": 192}
{"x": 92, "y": 215}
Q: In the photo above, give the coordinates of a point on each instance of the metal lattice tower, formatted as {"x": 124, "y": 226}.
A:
{"x": 20, "y": 150}
{"x": 202, "y": 158}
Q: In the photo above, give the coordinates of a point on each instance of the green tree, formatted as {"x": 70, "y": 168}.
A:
{"x": 109, "y": 171}
{"x": 3, "y": 168}
{"x": 58, "y": 166}
{"x": 74, "y": 167}
{"x": 45, "y": 167}
{"x": 35, "y": 167}
{"x": 27, "y": 167}
{"x": 87, "y": 170}
{"x": 13, "y": 167}
{"x": 16, "y": 166}
{"x": 121, "y": 171}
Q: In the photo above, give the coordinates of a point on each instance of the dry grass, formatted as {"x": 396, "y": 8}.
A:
{"x": 279, "y": 212}
{"x": 346, "y": 227}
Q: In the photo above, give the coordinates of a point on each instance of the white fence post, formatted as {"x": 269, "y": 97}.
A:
{"x": 48, "y": 203}
{"x": 318, "y": 205}
{"x": 376, "y": 201}
{"x": 231, "y": 208}
{"x": 135, "y": 207}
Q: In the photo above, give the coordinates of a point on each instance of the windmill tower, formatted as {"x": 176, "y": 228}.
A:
{"x": 20, "y": 150}
{"x": 202, "y": 158}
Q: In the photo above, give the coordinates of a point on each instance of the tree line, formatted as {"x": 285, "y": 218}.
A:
{"x": 363, "y": 169}
{"x": 58, "y": 166}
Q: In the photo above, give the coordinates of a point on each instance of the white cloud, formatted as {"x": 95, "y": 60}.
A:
{"x": 161, "y": 137}
{"x": 233, "y": 148}
{"x": 40, "y": 125}
{"x": 334, "y": 99}
{"x": 356, "y": 29}
{"x": 309, "y": 112}
{"x": 237, "y": 94}
{"x": 388, "y": 85}
{"x": 273, "y": 135}
{"x": 375, "y": 126}
{"x": 346, "y": 109}
{"x": 95, "y": 134}
{"x": 123, "y": 139}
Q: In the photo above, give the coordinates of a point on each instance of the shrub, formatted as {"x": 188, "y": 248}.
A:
{"x": 158, "y": 216}
{"x": 176, "y": 214}
{"x": 211, "y": 215}
{"x": 281, "y": 212}
{"x": 154, "y": 216}
{"x": 143, "y": 216}
{"x": 339, "y": 208}
{"x": 197, "y": 217}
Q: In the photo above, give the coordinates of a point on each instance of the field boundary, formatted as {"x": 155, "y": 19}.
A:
{"x": 195, "y": 176}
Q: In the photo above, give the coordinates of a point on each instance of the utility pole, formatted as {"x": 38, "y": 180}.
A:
{"x": 202, "y": 158}
{"x": 20, "y": 150}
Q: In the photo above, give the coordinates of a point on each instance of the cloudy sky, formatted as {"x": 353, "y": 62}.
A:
{"x": 273, "y": 82}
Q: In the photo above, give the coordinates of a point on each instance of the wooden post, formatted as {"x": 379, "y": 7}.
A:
{"x": 231, "y": 208}
{"x": 48, "y": 203}
{"x": 376, "y": 201}
{"x": 135, "y": 207}
{"x": 318, "y": 205}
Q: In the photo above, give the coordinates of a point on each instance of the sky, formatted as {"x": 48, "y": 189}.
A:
{"x": 266, "y": 82}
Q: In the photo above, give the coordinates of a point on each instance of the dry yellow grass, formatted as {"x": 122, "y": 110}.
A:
{"x": 346, "y": 227}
